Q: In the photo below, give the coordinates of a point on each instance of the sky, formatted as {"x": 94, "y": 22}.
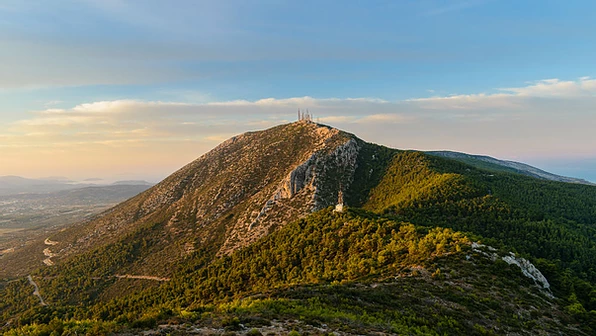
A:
{"x": 122, "y": 89}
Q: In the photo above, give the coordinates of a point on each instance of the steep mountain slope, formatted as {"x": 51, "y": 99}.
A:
{"x": 223, "y": 238}
{"x": 228, "y": 198}
{"x": 490, "y": 163}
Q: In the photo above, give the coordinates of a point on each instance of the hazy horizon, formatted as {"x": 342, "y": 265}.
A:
{"x": 570, "y": 168}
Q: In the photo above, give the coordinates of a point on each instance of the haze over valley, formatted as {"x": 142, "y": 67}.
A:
{"x": 30, "y": 209}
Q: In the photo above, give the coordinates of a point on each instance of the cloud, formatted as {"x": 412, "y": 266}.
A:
{"x": 584, "y": 87}
{"x": 368, "y": 119}
{"x": 466, "y": 101}
{"x": 297, "y": 101}
{"x": 547, "y": 118}
{"x": 386, "y": 118}
{"x": 171, "y": 119}
{"x": 135, "y": 119}
{"x": 52, "y": 103}
{"x": 338, "y": 119}
{"x": 515, "y": 97}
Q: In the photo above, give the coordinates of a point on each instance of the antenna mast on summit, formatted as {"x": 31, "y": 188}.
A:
{"x": 304, "y": 115}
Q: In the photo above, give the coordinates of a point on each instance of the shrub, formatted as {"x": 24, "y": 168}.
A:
{"x": 254, "y": 332}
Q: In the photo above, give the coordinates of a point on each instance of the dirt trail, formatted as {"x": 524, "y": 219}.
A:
{"x": 36, "y": 292}
{"x": 50, "y": 242}
{"x": 145, "y": 277}
{"x": 48, "y": 253}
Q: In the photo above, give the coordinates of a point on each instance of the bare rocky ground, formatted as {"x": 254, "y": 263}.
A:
{"x": 277, "y": 327}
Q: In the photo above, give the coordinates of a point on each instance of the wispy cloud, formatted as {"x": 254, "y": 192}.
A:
{"x": 513, "y": 97}
{"x": 170, "y": 119}
{"x": 539, "y": 119}
{"x": 554, "y": 87}
{"x": 297, "y": 101}
{"x": 385, "y": 118}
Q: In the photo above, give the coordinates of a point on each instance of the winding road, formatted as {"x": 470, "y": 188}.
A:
{"x": 36, "y": 292}
{"x": 144, "y": 277}
{"x": 48, "y": 253}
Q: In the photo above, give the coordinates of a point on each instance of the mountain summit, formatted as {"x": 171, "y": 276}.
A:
{"x": 248, "y": 232}
{"x": 228, "y": 198}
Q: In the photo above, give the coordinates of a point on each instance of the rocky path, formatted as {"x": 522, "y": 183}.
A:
{"x": 50, "y": 242}
{"x": 144, "y": 277}
{"x": 48, "y": 253}
{"x": 36, "y": 292}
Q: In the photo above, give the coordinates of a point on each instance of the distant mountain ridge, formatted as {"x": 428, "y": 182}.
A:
{"x": 12, "y": 185}
{"x": 490, "y": 163}
{"x": 133, "y": 182}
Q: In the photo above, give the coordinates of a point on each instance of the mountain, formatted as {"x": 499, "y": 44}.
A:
{"x": 10, "y": 185}
{"x": 57, "y": 179}
{"x": 490, "y": 163}
{"x": 99, "y": 194}
{"x": 133, "y": 182}
{"x": 228, "y": 198}
{"x": 246, "y": 236}
{"x": 14, "y": 185}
